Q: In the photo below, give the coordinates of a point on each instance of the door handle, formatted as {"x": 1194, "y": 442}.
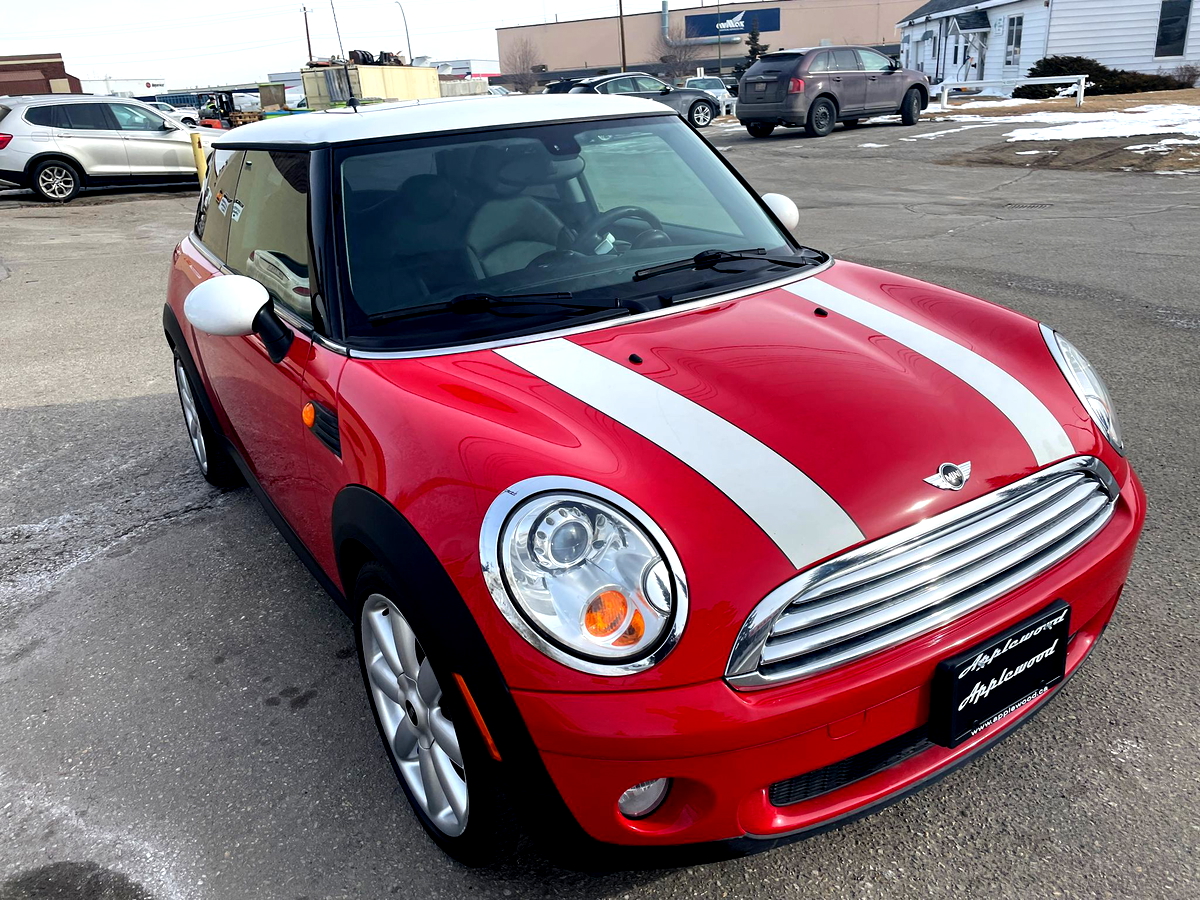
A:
{"x": 836, "y": 78}
{"x": 873, "y": 77}
{"x": 58, "y": 135}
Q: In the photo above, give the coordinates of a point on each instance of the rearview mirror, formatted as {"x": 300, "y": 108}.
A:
{"x": 235, "y": 306}
{"x": 784, "y": 208}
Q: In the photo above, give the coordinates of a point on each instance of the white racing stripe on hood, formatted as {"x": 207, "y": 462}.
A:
{"x": 1041, "y": 430}
{"x": 796, "y": 514}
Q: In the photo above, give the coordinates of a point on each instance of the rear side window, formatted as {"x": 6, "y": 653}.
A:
{"x": 216, "y": 200}
{"x": 84, "y": 116}
{"x": 268, "y": 227}
{"x": 48, "y": 116}
{"x": 4, "y": 111}
{"x": 845, "y": 60}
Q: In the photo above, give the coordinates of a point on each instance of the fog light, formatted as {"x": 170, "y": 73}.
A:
{"x": 642, "y": 799}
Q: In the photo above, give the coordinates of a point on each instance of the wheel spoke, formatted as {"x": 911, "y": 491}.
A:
{"x": 406, "y": 645}
{"x": 404, "y": 741}
{"x": 445, "y": 735}
{"x": 435, "y": 797}
{"x": 427, "y": 685}
{"x": 382, "y": 632}
{"x": 454, "y": 788}
{"x": 384, "y": 678}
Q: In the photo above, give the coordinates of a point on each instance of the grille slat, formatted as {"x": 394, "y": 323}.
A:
{"x": 920, "y": 579}
{"x": 929, "y": 575}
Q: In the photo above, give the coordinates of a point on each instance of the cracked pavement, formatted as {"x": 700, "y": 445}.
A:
{"x": 181, "y": 714}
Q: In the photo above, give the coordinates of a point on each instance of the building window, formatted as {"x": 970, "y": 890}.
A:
{"x": 1012, "y": 51}
{"x": 1172, "y": 27}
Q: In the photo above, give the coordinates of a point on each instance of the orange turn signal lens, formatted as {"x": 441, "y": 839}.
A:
{"x": 634, "y": 633}
{"x": 309, "y": 414}
{"x": 605, "y": 613}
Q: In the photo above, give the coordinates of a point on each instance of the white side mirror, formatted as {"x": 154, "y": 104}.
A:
{"x": 226, "y": 305}
{"x": 784, "y": 208}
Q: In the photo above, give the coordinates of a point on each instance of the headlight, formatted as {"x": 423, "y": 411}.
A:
{"x": 584, "y": 575}
{"x": 1089, "y": 387}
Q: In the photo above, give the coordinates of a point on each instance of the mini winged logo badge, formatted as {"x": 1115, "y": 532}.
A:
{"x": 950, "y": 477}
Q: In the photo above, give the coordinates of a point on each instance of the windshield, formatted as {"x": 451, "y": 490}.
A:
{"x": 572, "y": 208}
{"x": 706, "y": 84}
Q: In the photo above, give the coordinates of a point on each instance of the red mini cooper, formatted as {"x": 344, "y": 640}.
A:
{"x": 658, "y": 526}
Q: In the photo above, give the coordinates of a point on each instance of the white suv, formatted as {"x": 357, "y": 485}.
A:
{"x": 188, "y": 115}
{"x": 56, "y": 144}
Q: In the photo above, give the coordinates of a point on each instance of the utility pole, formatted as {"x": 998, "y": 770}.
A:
{"x": 621, "y": 24}
{"x": 341, "y": 49}
{"x": 307, "y": 36}
{"x": 720, "y": 59}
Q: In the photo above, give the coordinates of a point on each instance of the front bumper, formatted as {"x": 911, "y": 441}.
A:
{"x": 724, "y": 748}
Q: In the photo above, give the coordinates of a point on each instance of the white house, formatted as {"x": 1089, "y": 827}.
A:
{"x": 996, "y": 39}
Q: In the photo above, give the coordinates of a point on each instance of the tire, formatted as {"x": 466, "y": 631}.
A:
{"x": 453, "y": 785}
{"x": 910, "y": 108}
{"x": 213, "y": 460}
{"x": 189, "y": 121}
{"x": 701, "y": 114}
{"x": 760, "y": 129}
{"x": 822, "y": 116}
{"x": 56, "y": 180}
{"x": 851, "y": 123}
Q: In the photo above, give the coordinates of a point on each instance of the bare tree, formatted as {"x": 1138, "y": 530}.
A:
{"x": 517, "y": 65}
{"x": 677, "y": 53}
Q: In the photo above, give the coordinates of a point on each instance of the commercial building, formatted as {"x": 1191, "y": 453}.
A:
{"x": 122, "y": 87}
{"x": 999, "y": 39}
{"x": 36, "y": 73}
{"x": 715, "y": 36}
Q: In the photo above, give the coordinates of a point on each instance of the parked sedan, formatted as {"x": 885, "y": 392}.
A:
{"x": 817, "y": 87}
{"x": 58, "y": 144}
{"x": 186, "y": 114}
{"x": 697, "y": 106}
{"x": 648, "y": 538}
{"x": 715, "y": 88}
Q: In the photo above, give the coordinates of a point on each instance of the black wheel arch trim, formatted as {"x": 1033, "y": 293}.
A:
{"x": 368, "y": 528}
{"x": 35, "y": 161}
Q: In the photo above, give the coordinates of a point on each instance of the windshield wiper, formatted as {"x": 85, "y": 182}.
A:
{"x": 483, "y": 302}
{"x": 707, "y": 259}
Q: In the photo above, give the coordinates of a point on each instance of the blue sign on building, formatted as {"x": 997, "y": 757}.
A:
{"x": 732, "y": 23}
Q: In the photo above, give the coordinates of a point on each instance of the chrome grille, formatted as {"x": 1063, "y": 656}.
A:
{"x": 922, "y": 577}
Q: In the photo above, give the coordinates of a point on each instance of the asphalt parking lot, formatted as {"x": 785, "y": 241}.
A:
{"x": 181, "y": 714}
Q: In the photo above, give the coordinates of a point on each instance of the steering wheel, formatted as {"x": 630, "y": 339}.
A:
{"x": 594, "y": 233}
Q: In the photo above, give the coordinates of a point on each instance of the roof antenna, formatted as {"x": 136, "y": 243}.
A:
{"x": 351, "y": 101}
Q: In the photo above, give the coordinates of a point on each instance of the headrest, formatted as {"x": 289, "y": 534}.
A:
{"x": 431, "y": 196}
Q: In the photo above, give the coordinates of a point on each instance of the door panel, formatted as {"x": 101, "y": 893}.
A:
{"x": 885, "y": 85}
{"x": 849, "y": 81}
{"x": 86, "y": 132}
{"x": 151, "y": 148}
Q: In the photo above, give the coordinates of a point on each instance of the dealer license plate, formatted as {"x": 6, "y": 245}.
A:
{"x": 980, "y": 687}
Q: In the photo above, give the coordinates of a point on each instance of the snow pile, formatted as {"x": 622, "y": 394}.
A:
{"x": 1163, "y": 146}
{"x": 1174, "y": 118}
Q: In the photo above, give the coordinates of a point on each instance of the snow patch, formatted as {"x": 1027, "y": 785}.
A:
{"x": 1163, "y": 146}
{"x": 872, "y": 146}
{"x": 1028, "y": 152}
{"x": 983, "y": 104}
{"x": 937, "y": 134}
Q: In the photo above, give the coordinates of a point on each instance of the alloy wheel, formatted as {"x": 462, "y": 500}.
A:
{"x": 191, "y": 416}
{"x": 420, "y": 736}
{"x": 57, "y": 182}
{"x": 702, "y": 115}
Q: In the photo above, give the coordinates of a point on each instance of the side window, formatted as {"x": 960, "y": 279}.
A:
{"x": 268, "y": 230}
{"x": 86, "y": 116}
{"x": 844, "y": 60}
{"x": 875, "y": 62}
{"x": 133, "y": 118}
{"x": 46, "y": 116}
{"x": 216, "y": 200}
{"x": 819, "y": 64}
{"x": 617, "y": 86}
{"x": 1171, "y": 39}
{"x": 648, "y": 85}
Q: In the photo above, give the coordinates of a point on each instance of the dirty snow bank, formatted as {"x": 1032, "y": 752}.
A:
{"x": 1175, "y": 118}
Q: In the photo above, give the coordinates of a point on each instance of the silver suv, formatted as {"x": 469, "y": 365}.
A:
{"x": 56, "y": 144}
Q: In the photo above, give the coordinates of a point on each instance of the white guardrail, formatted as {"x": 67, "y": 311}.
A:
{"x": 1080, "y": 82}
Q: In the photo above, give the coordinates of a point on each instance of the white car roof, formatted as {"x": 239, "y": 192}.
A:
{"x": 408, "y": 117}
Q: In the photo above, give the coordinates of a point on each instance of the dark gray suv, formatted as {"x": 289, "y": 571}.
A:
{"x": 817, "y": 87}
{"x": 697, "y": 106}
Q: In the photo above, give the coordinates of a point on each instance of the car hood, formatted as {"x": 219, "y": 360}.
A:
{"x": 823, "y": 407}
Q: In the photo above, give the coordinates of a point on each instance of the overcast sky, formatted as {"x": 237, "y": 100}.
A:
{"x": 225, "y": 41}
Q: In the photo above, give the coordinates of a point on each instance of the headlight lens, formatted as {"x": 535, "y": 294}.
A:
{"x": 1087, "y": 384}
{"x": 592, "y": 581}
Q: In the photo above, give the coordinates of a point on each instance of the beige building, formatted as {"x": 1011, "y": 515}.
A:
{"x": 593, "y": 46}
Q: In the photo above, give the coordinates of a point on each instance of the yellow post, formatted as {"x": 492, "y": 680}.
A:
{"x": 201, "y": 162}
